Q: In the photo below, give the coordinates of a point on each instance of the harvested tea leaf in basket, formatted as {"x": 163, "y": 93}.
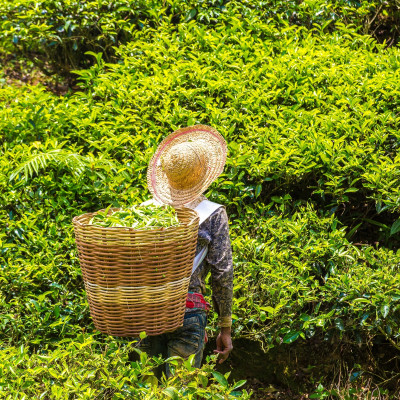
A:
{"x": 138, "y": 217}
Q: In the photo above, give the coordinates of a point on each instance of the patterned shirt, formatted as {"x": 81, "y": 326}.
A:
{"x": 214, "y": 233}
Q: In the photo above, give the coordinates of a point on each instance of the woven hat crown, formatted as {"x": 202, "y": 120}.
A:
{"x": 184, "y": 165}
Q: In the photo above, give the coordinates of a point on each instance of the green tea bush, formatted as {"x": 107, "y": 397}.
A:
{"x": 89, "y": 368}
{"x": 305, "y": 276}
{"x": 56, "y": 34}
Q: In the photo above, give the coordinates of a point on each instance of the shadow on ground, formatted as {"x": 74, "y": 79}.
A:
{"x": 294, "y": 371}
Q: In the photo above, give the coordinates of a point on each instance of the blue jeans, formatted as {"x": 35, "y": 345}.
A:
{"x": 183, "y": 342}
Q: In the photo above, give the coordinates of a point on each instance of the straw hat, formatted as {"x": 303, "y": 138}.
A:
{"x": 185, "y": 164}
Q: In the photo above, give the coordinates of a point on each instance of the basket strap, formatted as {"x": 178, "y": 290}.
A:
{"x": 204, "y": 209}
{"x": 201, "y": 255}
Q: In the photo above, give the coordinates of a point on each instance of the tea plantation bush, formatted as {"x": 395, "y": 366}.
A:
{"x": 55, "y": 34}
{"x": 311, "y": 118}
{"x": 76, "y": 370}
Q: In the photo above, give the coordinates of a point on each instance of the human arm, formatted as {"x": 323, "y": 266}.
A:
{"x": 219, "y": 257}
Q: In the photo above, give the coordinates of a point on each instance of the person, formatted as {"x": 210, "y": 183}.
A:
{"x": 182, "y": 168}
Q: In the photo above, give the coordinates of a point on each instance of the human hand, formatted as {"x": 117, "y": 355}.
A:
{"x": 224, "y": 344}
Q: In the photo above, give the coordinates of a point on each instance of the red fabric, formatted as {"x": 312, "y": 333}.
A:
{"x": 196, "y": 300}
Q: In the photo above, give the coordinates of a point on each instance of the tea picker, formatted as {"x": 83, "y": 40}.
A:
{"x": 182, "y": 168}
{"x": 144, "y": 268}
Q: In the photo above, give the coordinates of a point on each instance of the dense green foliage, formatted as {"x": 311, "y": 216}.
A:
{"x": 311, "y": 186}
{"x": 89, "y": 369}
{"x": 56, "y": 34}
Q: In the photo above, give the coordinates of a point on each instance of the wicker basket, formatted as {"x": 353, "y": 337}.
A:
{"x": 137, "y": 280}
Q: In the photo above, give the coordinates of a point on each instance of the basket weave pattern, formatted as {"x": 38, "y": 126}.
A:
{"x": 137, "y": 280}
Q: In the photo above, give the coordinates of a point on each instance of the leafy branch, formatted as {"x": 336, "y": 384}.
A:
{"x": 76, "y": 163}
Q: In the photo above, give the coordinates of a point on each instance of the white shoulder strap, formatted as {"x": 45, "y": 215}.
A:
{"x": 205, "y": 209}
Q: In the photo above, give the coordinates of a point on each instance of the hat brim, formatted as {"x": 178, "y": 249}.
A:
{"x": 215, "y": 149}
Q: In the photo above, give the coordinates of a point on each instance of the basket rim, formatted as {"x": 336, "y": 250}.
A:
{"x": 75, "y": 221}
